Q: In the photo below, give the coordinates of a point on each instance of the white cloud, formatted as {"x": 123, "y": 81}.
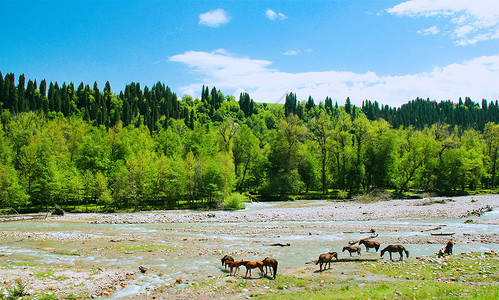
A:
{"x": 214, "y": 18}
{"x": 292, "y": 52}
{"x": 272, "y": 15}
{"x": 428, "y": 31}
{"x": 473, "y": 20}
{"x": 475, "y": 78}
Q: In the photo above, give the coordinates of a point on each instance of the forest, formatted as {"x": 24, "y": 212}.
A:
{"x": 83, "y": 148}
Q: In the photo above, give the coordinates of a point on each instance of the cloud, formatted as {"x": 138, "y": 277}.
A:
{"x": 292, "y": 52}
{"x": 272, "y": 15}
{"x": 473, "y": 21}
{"x": 214, "y": 18}
{"x": 428, "y": 31}
{"x": 475, "y": 78}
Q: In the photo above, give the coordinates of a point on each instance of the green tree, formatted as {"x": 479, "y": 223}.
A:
{"x": 416, "y": 149}
{"x": 320, "y": 132}
{"x": 245, "y": 151}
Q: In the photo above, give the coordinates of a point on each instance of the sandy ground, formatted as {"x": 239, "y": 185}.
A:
{"x": 78, "y": 279}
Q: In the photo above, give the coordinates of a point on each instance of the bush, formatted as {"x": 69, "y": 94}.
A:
{"x": 342, "y": 194}
{"x": 234, "y": 201}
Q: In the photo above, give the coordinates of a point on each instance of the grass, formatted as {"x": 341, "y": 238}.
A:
{"x": 391, "y": 290}
{"x": 470, "y": 275}
{"x": 145, "y": 248}
{"x": 466, "y": 267}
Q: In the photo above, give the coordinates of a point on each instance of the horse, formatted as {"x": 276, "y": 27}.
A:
{"x": 447, "y": 250}
{"x": 326, "y": 258}
{"x": 225, "y": 259}
{"x": 271, "y": 264}
{"x": 235, "y": 264}
{"x": 369, "y": 244}
{"x": 395, "y": 248}
{"x": 253, "y": 265}
{"x": 352, "y": 249}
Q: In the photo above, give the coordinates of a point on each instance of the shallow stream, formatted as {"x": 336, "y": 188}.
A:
{"x": 205, "y": 243}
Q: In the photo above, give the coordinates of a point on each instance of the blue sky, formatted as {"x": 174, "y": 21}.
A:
{"x": 388, "y": 51}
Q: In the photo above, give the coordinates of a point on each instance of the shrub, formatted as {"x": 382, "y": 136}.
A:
{"x": 234, "y": 201}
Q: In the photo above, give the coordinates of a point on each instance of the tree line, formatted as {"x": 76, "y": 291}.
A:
{"x": 146, "y": 148}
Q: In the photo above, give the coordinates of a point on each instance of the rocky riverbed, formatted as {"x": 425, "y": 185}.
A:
{"x": 99, "y": 255}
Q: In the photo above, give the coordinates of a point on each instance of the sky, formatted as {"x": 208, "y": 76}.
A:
{"x": 385, "y": 51}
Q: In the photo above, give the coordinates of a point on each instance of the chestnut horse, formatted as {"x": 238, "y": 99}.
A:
{"x": 369, "y": 244}
{"x": 325, "y": 259}
{"x": 352, "y": 249}
{"x": 235, "y": 265}
{"x": 395, "y": 248}
{"x": 225, "y": 259}
{"x": 253, "y": 265}
{"x": 271, "y": 264}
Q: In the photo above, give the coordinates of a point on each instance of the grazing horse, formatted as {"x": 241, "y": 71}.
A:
{"x": 395, "y": 248}
{"x": 447, "y": 250}
{"x": 225, "y": 259}
{"x": 352, "y": 249}
{"x": 369, "y": 244}
{"x": 325, "y": 259}
{"x": 271, "y": 264}
{"x": 235, "y": 265}
{"x": 253, "y": 265}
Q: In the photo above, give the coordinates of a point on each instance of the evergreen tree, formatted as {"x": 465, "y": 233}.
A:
{"x": 290, "y": 104}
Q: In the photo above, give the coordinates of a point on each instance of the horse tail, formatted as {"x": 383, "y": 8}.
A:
{"x": 275, "y": 269}
{"x": 406, "y": 252}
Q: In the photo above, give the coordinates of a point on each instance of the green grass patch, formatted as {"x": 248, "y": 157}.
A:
{"x": 465, "y": 267}
{"x": 45, "y": 273}
{"x": 66, "y": 252}
{"x": 391, "y": 290}
{"x": 145, "y": 248}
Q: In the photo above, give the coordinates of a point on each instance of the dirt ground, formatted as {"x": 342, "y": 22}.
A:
{"x": 83, "y": 264}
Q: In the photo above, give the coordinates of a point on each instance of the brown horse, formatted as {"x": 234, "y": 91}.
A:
{"x": 447, "y": 250}
{"x": 253, "y": 265}
{"x": 395, "y": 248}
{"x": 235, "y": 265}
{"x": 271, "y": 264}
{"x": 225, "y": 259}
{"x": 369, "y": 244}
{"x": 325, "y": 259}
{"x": 352, "y": 249}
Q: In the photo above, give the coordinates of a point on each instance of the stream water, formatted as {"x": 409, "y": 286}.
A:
{"x": 306, "y": 239}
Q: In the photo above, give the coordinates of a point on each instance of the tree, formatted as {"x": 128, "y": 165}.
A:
{"x": 320, "y": 132}
{"x": 416, "y": 149}
{"x": 491, "y": 151}
{"x": 245, "y": 150}
{"x": 284, "y": 158}
{"x": 227, "y": 130}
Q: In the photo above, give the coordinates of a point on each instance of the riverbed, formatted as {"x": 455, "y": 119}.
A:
{"x": 99, "y": 255}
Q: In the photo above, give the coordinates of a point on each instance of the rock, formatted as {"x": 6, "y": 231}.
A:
{"x": 397, "y": 293}
{"x": 143, "y": 269}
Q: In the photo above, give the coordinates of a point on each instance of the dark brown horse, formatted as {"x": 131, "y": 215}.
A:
{"x": 271, "y": 264}
{"x": 325, "y": 259}
{"x": 225, "y": 259}
{"x": 253, "y": 265}
{"x": 447, "y": 250}
{"x": 235, "y": 265}
{"x": 369, "y": 244}
{"x": 395, "y": 248}
{"x": 352, "y": 249}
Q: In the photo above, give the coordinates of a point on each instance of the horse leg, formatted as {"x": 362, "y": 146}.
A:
{"x": 401, "y": 255}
